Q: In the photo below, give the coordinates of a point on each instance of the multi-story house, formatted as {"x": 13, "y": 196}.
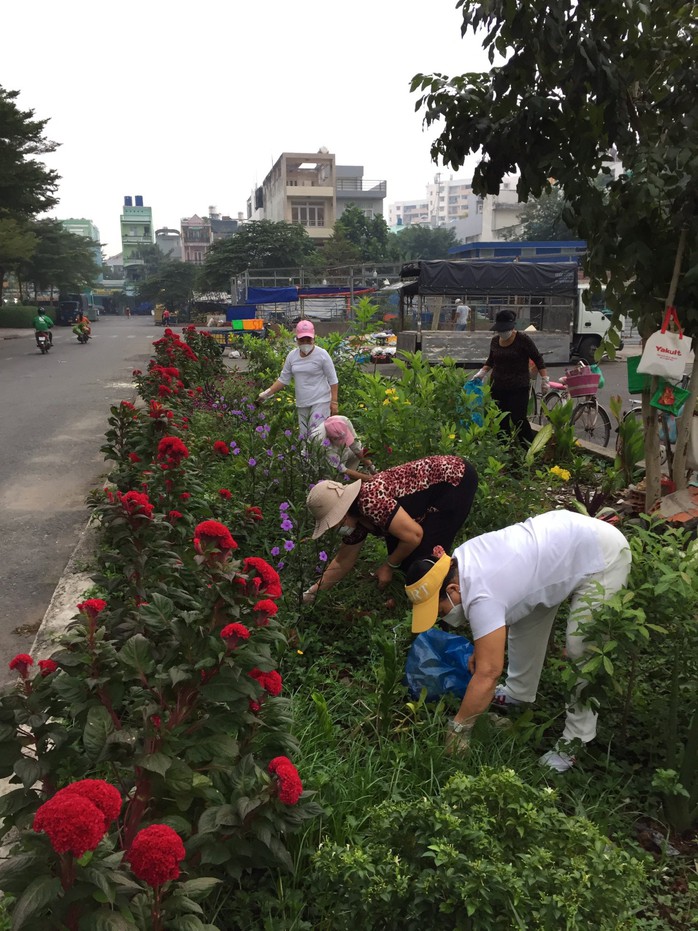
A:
{"x": 199, "y": 233}
{"x": 309, "y": 188}
{"x": 136, "y": 233}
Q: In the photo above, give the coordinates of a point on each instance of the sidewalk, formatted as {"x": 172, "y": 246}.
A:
{"x": 11, "y": 333}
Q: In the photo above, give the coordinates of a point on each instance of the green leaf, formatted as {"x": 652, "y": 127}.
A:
{"x": 155, "y": 762}
{"x": 135, "y": 654}
{"x": 199, "y": 888}
{"x": 28, "y": 771}
{"x": 186, "y": 923}
{"x": 179, "y": 777}
{"x": 98, "y": 727}
{"x": 39, "y": 893}
{"x": 106, "y": 920}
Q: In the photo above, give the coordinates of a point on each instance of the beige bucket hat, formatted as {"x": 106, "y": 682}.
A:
{"x": 329, "y": 501}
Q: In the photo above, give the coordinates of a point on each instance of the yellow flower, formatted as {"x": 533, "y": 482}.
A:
{"x": 299, "y": 652}
{"x": 561, "y": 473}
{"x": 387, "y": 401}
{"x": 451, "y": 436}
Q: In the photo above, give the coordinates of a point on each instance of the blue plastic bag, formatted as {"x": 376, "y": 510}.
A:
{"x": 470, "y": 406}
{"x": 438, "y": 662}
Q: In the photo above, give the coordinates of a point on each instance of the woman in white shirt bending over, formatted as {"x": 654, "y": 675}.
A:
{"x": 312, "y": 371}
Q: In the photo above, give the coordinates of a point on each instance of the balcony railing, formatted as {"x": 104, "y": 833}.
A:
{"x": 361, "y": 186}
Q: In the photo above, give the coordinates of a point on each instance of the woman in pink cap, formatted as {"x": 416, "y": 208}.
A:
{"x": 312, "y": 371}
{"x": 344, "y": 449}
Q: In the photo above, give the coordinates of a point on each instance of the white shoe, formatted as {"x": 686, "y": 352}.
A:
{"x": 558, "y": 760}
{"x": 503, "y": 701}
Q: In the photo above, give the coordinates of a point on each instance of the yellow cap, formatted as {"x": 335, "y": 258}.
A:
{"x": 424, "y": 595}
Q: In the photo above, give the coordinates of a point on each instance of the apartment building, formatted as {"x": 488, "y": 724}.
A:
{"x": 309, "y": 188}
{"x": 447, "y": 200}
{"x": 199, "y": 233}
{"x": 136, "y": 232}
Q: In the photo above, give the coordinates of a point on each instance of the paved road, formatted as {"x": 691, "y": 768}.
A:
{"x": 52, "y": 422}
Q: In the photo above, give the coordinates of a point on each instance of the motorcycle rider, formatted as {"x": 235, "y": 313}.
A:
{"x": 42, "y": 323}
{"x": 82, "y": 326}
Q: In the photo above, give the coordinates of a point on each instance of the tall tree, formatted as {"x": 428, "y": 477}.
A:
{"x": 260, "y": 244}
{"x": 17, "y": 245}
{"x": 61, "y": 260}
{"x": 172, "y": 284}
{"x": 542, "y": 218}
{"x": 581, "y": 80}
{"x": 27, "y": 187}
{"x": 369, "y": 235}
{"x": 422, "y": 242}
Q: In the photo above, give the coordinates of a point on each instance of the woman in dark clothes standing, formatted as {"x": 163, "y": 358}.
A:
{"x": 508, "y": 361}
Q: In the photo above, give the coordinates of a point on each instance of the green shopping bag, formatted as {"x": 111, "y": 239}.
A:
{"x": 669, "y": 398}
{"x": 636, "y": 383}
{"x": 596, "y": 369}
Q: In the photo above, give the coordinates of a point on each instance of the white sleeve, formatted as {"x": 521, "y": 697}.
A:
{"x": 286, "y": 376}
{"x": 329, "y": 369}
{"x": 486, "y": 615}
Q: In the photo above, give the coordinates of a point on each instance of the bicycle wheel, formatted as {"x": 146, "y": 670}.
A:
{"x": 552, "y": 399}
{"x": 636, "y": 414}
{"x": 591, "y": 423}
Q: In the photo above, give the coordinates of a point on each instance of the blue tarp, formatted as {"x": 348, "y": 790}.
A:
{"x": 272, "y": 295}
{"x": 240, "y": 312}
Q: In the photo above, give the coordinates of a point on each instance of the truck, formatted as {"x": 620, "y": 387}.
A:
{"x": 71, "y": 305}
{"x": 547, "y": 298}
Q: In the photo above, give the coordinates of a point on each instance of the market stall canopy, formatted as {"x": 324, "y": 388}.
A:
{"x": 481, "y": 278}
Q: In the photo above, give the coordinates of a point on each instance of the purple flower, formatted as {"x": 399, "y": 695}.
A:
{"x": 289, "y": 545}
{"x": 280, "y": 564}
{"x": 252, "y": 463}
{"x": 322, "y": 556}
{"x": 287, "y": 433}
{"x": 236, "y": 452}
{"x": 280, "y": 456}
{"x": 275, "y": 551}
{"x": 326, "y": 443}
{"x": 250, "y": 407}
{"x": 286, "y": 524}
{"x": 233, "y": 444}
{"x": 270, "y": 452}
{"x": 284, "y": 506}
{"x": 259, "y": 429}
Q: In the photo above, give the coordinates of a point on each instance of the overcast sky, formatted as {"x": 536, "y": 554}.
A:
{"x": 191, "y": 105}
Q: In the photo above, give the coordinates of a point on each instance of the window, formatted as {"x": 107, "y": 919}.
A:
{"x": 308, "y": 214}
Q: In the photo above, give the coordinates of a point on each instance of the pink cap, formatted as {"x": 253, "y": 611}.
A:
{"x": 304, "y": 328}
{"x": 337, "y": 430}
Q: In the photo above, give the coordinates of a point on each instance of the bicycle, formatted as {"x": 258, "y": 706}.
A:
{"x": 591, "y": 421}
{"x": 666, "y": 425}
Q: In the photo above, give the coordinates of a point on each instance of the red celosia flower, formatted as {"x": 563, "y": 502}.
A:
{"x": 289, "y": 785}
{"x": 267, "y": 579}
{"x": 21, "y": 663}
{"x": 234, "y": 634}
{"x": 47, "y": 666}
{"x": 102, "y": 795}
{"x": 136, "y": 503}
{"x": 174, "y": 515}
{"x": 136, "y": 372}
{"x": 172, "y": 450}
{"x": 225, "y": 493}
{"x": 127, "y": 406}
{"x": 254, "y": 513}
{"x": 222, "y": 448}
{"x": 185, "y": 496}
{"x": 134, "y": 457}
{"x": 254, "y": 706}
{"x": 270, "y": 681}
{"x": 164, "y": 391}
{"x": 92, "y": 607}
{"x": 266, "y": 607}
{"x": 155, "y": 854}
{"x": 211, "y": 533}
{"x": 157, "y": 411}
{"x": 72, "y": 822}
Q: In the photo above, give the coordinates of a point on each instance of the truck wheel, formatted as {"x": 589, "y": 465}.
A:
{"x": 586, "y": 349}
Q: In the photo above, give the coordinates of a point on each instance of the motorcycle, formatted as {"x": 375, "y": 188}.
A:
{"x": 83, "y": 337}
{"x": 43, "y": 342}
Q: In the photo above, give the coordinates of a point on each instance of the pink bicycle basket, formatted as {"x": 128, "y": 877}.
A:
{"x": 582, "y": 382}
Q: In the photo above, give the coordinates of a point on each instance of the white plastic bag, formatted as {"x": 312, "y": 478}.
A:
{"x": 666, "y": 353}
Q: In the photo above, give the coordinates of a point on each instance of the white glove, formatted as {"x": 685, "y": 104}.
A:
{"x": 309, "y": 596}
{"x": 545, "y": 384}
{"x": 264, "y": 395}
{"x": 482, "y": 373}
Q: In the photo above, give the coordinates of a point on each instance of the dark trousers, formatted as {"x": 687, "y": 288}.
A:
{"x": 441, "y": 512}
{"x": 513, "y": 402}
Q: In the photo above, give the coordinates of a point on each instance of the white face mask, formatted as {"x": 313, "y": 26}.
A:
{"x": 507, "y": 335}
{"x": 305, "y": 349}
{"x": 345, "y": 530}
{"x": 456, "y": 616}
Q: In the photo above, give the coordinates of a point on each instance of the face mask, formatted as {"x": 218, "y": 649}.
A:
{"x": 344, "y": 530}
{"x": 305, "y": 349}
{"x": 507, "y": 335}
{"x": 456, "y": 616}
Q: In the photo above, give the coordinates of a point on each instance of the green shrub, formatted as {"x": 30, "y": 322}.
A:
{"x": 16, "y": 316}
{"x": 490, "y": 853}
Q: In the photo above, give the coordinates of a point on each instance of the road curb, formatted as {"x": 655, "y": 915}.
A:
{"x": 70, "y": 589}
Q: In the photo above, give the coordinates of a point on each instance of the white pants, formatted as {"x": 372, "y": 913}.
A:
{"x": 310, "y": 417}
{"x": 527, "y": 639}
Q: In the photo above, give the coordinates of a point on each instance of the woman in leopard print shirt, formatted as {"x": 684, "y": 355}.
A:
{"x": 415, "y": 507}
